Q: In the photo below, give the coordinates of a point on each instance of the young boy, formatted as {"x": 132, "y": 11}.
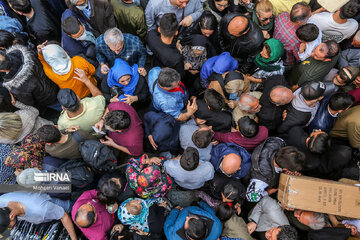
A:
{"x": 310, "y": 37}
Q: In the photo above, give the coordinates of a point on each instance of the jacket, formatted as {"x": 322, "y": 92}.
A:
{"x": 323, "y": 119}
{"x": 243, "y": 48}
{"x": 222, "y": 149}
{"x": 262, "y": 161}
{"x": 349, "y": 57}
{"x": 101, "y": 17}
{"x": 174, "y": 224}
{"x": 27, "y": 80}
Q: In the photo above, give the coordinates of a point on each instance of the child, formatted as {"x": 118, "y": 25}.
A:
{"x": 309, "y": 36}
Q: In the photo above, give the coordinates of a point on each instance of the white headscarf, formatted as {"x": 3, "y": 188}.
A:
{"x": 57, "y": 58}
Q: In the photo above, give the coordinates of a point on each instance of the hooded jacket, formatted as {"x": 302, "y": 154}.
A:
{"x": 27, "y": 80}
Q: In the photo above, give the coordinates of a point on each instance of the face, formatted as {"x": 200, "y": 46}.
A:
{"x": 117, "y": 49}
{"x": 264, "y": 53}
{"x": 124, "y": 80}
{"x": 206, "y": 32}
{"x": 79, "y": 33}
{"x": 255, "y": 106}
{"x": 116, "y": 181}
{"x": 197, "y": 52}
{"x": 264, "y": 17}
{"x": 221, "y": 5}
{"x": 272, "y": 233}
{"x": 181, "y": 3}
{"x": 303, "y": 216}
{"x": 175, "y": 85}
{"x": 320, "y": 52}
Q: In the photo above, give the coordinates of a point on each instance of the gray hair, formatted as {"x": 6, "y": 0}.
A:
{"x": 244, "y": 101}
{"x": 113, "y": 36}
{"x": 317, "y": 221}
{"x": 74, "y": 2}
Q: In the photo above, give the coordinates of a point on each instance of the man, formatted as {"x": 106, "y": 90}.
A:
{"x": 192, "y": 223}
{"x": 269, "y": 159}
{"x": 130, "y": 17}
{"x": 242, "y": 38}
{"x": 188, "y": 171}
{"x": 285, "y": 30}
{"x": 280, "y": 6}
{"x": 83, "y": 113}
{"x": 124, "y": 128}
{"x": 114, "y": 44}
{"x": 98, "y": 13}
{"x": 186, "y": 11}
{"x": 231, "y": 160}
{"x": 36, "y": 208}
{"x": 317, "y": 66}
{"x": 248, "y": 105}
{"x": 305, "y": 220}
{"x": 340, "y": 25}
{"x": 42, "y": 24}
{"x": 91, "y": 216}
{"x": 343, "y": 79}
{"x": 161, "y": 43}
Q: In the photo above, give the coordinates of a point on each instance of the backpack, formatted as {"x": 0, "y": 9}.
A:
{"x": 81, "y": 174}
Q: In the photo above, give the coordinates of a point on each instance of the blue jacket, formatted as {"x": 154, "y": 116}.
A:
{"x": 222, "y": 149}
{"x": 323, "y": 119}
{"x": 168, "y": 102}
{"x": 176, "y": 219}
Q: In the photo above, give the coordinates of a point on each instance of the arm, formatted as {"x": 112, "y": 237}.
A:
{"x": 198, "y": 9}
{"x": 69, "y": 226}
{"x": 109, "y": 15}
{"x": 81, "y": 76}
{"x": 150, "y": 16}
{"x": 190, "y": 110}
{"x": 109, "y": 142}
{"x": 206, "y": 207}
{"x": 141, "y": 28}
{"x": 169, "y": 226}
{"x": 99, "y": 55}
{"x": 222, "y": 137}
{"x": 142, "y": 54}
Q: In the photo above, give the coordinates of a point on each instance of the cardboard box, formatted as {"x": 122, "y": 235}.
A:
{"x": 319, "y": 195}
{"x": 332, "y": 5}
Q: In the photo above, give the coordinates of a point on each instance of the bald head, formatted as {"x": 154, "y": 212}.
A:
{"x": 85, "y": 216}
{"x": 300, "y": 13}
{"x": 281, "y": 95}
{"x": 248, "y": 102}
{"x": 231, "y": 163}
{"x": 237, "y": 26}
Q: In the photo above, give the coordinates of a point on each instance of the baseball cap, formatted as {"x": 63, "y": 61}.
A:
{"x": 313, "y": 90}
{"x": 67, "y": 98}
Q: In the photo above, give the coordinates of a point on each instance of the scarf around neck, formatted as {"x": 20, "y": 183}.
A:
{"x": 277, "y": 50}
{"x": 268, "y": 27}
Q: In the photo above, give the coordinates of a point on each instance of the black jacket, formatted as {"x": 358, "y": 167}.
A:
{"x": 262, "y": 167}
{"x": 27, "y": 80}
{"x": 243, "y": 48}
{"x": 294, "y": 118}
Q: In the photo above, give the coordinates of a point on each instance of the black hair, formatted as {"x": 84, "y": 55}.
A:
{"x": 5, "y": 61}
{"x": 202, "y": 139}
{"x": 168, "y": 24}
{"x": 90, "y": 216}
{"x": 108, "y": 192}
{"x": 291, "y": 158}
{"x": 341, "y": 101}
{"x": 333, "y": 48}
{"x": 345, "y": 77}
{"x": 71, "y": 25}
{"x": 230, "y": 191}
{"x": 197, "y": 229}
{"x": 318, "y": 144}
{"x": 349, "y": 10}
{"x": 313, "y": 90}
{"x": 248, "y": 127}
{"x": 295, "y": 16}
{"x": 6, "y": 39}
{"x": 168, "y": 77}
{"x": 287, "y": 233}
{"x": 49, "y": 134}
{"x": 307, "y": 32}
{"x": 208, "y": 21}
{"x": 118, "y": 120}
{"x": 74, "y": 108}
{"x": 214, "y": 100}
{"x": 224, "y": 212}
{"x": 4, "y": 219}
{"x": 190, "y": 159}
{"x": 23, "y": 6}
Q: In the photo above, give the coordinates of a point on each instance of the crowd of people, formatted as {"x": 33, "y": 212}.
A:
{"x": 176, "y": 118}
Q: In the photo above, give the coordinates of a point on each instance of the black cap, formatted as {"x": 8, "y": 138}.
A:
{"x": 313, "y": 90}
{"x": 67, "y": 98}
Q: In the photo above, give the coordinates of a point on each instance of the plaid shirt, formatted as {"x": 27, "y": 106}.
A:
{"x": 285, "y": 31}
{"x": 133, "y": 52}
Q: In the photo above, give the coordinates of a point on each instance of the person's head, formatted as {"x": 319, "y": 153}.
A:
{"x": 168, "y": 25}
{"x": 313, "y": 92}
{"x": 109, "y": 190}
{"x": 49, "y": 134}
{"x": 290, "y": 158}
{"x": 224, "y": 212}
{"x": 79, "y": 4}
{"x": 114, "y": 39}
{"x": 307, "y": 32}
{"x": 73, "y": 27}
{"x": 317, "y": 142}
{"x": 229, "y": 193}
{"x": 10, "y": 125}
{"x": 248, "y": 103}
{"x": 180, "y": 3}
{"x": 266, "y": 51}
{"x": 264, "y": 12}
{"x": 281, "y": 95}
{"x": 230, "y": 164}
{"x": 346, "y": 75}
{"x": 202, "y": 137}
{"x": 195, "y": 227}
{"x": 86, "y": 215}
{"x": 313, "y": 220}
{"x": 239, "y": 26}
{"x": 234, "y": 82}
{"x": 349, "y": 10}
{"x": 5, "y": 220}
{"x": 285, "y": 232}
{"x": 208, "y": 23}
{"x": 134, "y": 207}
{"x": 214, "y": 100}
{"x": 341, "y": 101}
{"x": 57, "y": 58}
{"x": 117, "y": 120}
{"x": 169, "y": 79}
{"x": 221, "y": 5}
{"x": 68, "y": 100}
{"x": 7, "y": 39}
{"x": 300, "y": 13}
{"x": 5, "y": 62}
{"x": 248, "y": 127}
{"x": 325, "y": 51}
{"x": 189, "y": 159}
{"x": 21, "y": 7}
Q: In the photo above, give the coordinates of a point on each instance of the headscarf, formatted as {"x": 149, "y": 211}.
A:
{"x": 120, "y": 69}
{"x": 277, "y": 50}
{"x": 57, "y": 58}
{"x": 234, "y": 82}
{"x": 268, "y": 27}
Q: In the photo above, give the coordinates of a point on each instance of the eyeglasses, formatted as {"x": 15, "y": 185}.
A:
{"x": 265, "y": 19}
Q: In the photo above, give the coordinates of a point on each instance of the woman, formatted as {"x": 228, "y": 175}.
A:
{"x": 134, "y": 90}
{"x": 218, "y": 8}
{"x": 263, "y": 17}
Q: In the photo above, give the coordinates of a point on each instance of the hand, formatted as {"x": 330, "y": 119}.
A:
{"x": 295, "y": 173}
{"x": 118, "y": 228}
{"x": 152, "y": 142}
{"x": 302, "y": 47}
{"x": 233, "y": 130}
{"x": 18, "y": 171}
{"x": 352, "y": 228}
{"x": 13, "y": 100}
{"x": 72, "y": 129}
{"x": 266, "y": 34}
{"x": 41, "y": 46}
{"x": 129, "y": 99}
{"x": 271, "y": 190}
{"x": 162, "y": 204}
{"x": 178, "y": 207}
{"x": 178, "y": 46}
{"x": 193, "y": 72}
{"x": 232, "y": 104}
{"x": 284, "y": 115}
{"x": 357, "y": 81}
{"x": 251, "y": 226}
{"x": 104, "y": 68}
{"x": 115, "y": 99}
{"x": 81, "y": 75}
{"x": 142, "y": 71}
{"x": 237, "y": 208}
{"x": 187, "y": 21}
{"x": 187, "y": 66}
{"x": 246, "y": 1}
{"x": 287, "y": 208}
{"x": 192, "y": 108}
{"x": 155, "y": 160}
{"x": 99, "y": 125}
{"x": 108, "y": 142}
{"x": 322, "y": 9}
{"x": 215, "y": 142}
{"x": 140, "y": 232}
